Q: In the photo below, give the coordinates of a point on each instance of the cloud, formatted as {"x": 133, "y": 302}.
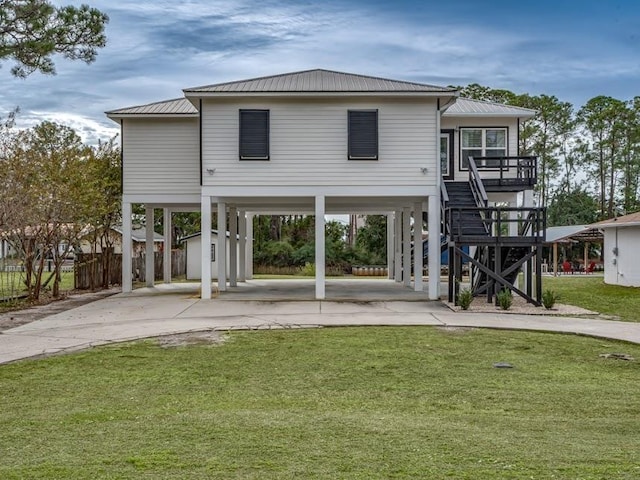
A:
{"x": 156, "y": 48}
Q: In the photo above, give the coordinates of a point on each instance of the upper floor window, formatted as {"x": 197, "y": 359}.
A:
{"x": 363, "y": 134}
{"x": 254, "y": 134}
{"x": 482, "y": 142}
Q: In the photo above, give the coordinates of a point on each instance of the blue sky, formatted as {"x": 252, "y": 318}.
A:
{"x": 574, "y": 50}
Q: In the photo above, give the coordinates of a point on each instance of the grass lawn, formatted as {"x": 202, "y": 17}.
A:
{"x": 328, "y": 403}
{"x": 12, "y": 282}
{"x": 592, "y": 293}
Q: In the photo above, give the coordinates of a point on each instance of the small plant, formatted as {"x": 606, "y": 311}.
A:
{"x": 549, "y": 299}
{"x": 505, "y": 299}
{"x": 465, "y": 297}
{"x": 309, "y": 270}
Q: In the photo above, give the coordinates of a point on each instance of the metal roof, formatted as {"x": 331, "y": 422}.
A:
{"x": 319, "y": 81}
{"x": 469, "y": 107}
{"x": 140, "y": 235}
{"x": 572, "y": 233}
{"x": 176, "y": 106}
{"x": 631, "y": 220}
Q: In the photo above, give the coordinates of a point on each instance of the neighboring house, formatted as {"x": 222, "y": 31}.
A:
{"x": 138, "y": 242}
{"x": 194, "y": 255}
{"x": 6, "y": 250}
{"x": 322, "y": 143}
{"x": 621, "y": 250}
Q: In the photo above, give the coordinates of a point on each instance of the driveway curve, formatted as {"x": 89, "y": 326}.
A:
{"x": 124, "y": 317}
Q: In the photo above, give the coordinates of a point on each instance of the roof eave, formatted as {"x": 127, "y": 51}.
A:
{"x": 616, "y": 224}
{"x": 491, "y": 115}
{"x": 117, "y": 116}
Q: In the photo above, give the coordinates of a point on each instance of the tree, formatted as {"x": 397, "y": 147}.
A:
{"x": 57, "y": 188}
{"x": 547, "y": 137}
{"x": 372, "y": 239}
{"x": 605, "y": 121}
{"x": 31, "y": 31}
{"x": 577, "y": 207}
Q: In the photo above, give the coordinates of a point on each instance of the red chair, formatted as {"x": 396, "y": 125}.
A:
{"x": 590, "y": 268}
{"x": 566, "y": 267}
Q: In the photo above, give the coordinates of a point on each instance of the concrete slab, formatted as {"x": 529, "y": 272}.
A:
{"x": 216, "y": 308}
{"x": 626, "y": 331}
{"x": 176, "y": 309}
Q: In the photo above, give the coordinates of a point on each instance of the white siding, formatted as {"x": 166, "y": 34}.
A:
{"x": 161, "y": 156}
{"x": 456, "y": 123}
{"x": 194, "y": 257}
{"x": 308, "y": 144}
{"x": 623, "y": 268}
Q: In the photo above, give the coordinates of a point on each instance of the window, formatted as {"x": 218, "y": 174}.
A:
{"x": 482, "y": 142}
{"x": 363, "y": 134}
{"x": 254, "y": 134}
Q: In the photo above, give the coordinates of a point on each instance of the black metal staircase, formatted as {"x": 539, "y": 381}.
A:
{"x": 502, "y": 240}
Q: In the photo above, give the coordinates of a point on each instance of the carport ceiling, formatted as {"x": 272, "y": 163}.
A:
{"x": 333, "y": 205}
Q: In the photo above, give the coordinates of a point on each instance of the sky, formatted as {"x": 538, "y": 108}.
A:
{"x": 574, "y": 50}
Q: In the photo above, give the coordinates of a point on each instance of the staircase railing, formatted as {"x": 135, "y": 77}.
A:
{"x": 444, "y": 204}
{"x": 477, "y": 188}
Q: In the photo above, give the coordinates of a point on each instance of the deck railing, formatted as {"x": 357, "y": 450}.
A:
{"x": 525, "y": 168}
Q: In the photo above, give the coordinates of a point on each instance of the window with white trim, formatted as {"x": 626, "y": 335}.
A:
{"x": 482, "y": 142}
{"x": 254, "y": 134}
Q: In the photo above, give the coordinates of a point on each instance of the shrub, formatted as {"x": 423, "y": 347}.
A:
{"x": 309, "y": 270}
{"x": 505, "y": 299}
{"x": 549, "y": 299}
{"x": 465, "y": 297}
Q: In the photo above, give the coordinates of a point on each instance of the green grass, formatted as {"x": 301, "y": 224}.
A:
{"x": 592, "y": 293}
{"x": 11, "y": 282}
{"x": 364, "y": 403}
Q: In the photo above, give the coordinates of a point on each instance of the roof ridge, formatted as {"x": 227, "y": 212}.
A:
{"x": 280, "y": 75}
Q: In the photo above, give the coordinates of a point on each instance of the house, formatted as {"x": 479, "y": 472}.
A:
{"x": 138, "y": 241}
{"x": 194, "y": 254}
{"x": 621, "y": 242}
{"x": 319, "y": 142}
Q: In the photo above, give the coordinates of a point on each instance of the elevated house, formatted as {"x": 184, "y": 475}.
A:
{"x": 320, "y": 142}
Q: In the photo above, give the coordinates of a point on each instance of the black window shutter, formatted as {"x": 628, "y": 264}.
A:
{"x": 254, "y": 134}
{"x": 363, "y": 134}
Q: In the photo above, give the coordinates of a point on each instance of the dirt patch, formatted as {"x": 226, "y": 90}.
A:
{"x": 455, "y": 330}
{"x": 48, "y": 306}
{"x": 209, "y": 337}
{"x": 521, "y": 306}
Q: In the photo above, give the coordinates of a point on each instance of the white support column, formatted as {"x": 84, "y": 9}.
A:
{"x": 418, "y": 251}
{"x": 390, "y": 245}
{"x": 221, "y": 254}
{"x": 242, "y": 247}
{"x": 149, "y": 267}
{"x": 166, "y": 246}
{"x": 320, "y": 250}
{"x": 397, "y": 242}
{"x": 233, "y": 247}
{"x": 249, "y": 251}
{"x": 205, "y": 239}
{"x": 127, "y": 247}
{"x": 434, "y": 247}
{"x": 406, "y": 246}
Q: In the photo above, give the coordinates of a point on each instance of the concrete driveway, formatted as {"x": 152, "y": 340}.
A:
{"x": 177, "y": 309}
